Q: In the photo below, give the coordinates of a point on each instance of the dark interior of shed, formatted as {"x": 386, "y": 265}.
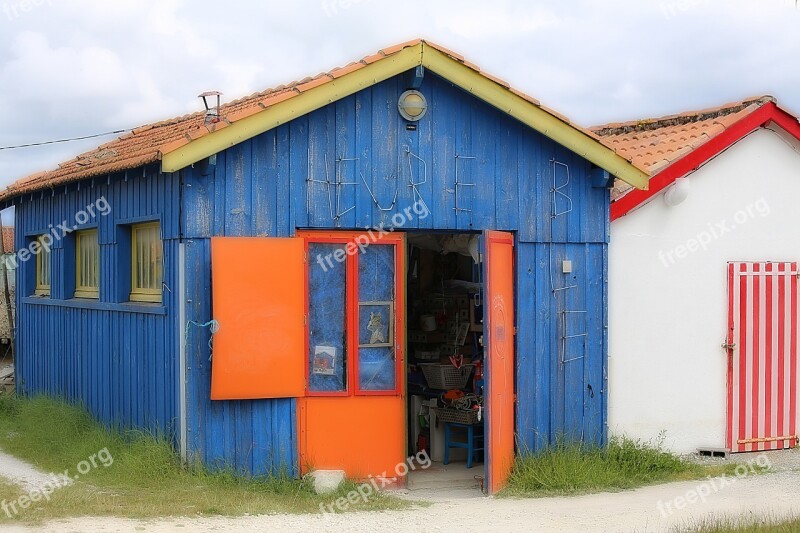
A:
{"x": 445, "y": 359}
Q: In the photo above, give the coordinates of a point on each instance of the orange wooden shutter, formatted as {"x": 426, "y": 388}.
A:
{"x": 258, "y": 300}
{"x": 499, "y": 400}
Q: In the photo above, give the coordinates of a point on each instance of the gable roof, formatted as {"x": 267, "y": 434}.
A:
{"x": 673, "y": 146}
{"x": 182, "y": 141}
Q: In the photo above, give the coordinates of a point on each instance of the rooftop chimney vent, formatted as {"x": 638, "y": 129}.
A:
{"x": 212, "y": 109}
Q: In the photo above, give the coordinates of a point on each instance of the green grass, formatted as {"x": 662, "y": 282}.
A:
{"x": 623, "y": 464}
{"x": 745, "y": 525}
{"x": 146, "y": 478}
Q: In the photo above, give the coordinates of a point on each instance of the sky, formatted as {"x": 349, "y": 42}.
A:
{"x": 81, "y": 67}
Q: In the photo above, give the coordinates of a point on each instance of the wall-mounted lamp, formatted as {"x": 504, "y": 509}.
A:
{"x": 678, "y": 192}
{"x": 412, "y": 105}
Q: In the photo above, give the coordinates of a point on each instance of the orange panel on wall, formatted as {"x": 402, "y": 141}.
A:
{"x": 500, "y": 357}
{"x": 259, "y": 302}
{"x": 362, "y": 435}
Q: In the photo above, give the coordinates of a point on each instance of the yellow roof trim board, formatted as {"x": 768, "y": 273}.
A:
{"x": 442, "y": 64}
{"x": 534, "y": 116}
{"x": 290, "y": 109}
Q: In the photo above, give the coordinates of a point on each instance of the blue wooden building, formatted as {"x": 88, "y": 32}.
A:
{"x": 179, "y": 279}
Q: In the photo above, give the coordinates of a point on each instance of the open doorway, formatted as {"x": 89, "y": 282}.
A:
{"x": 445, "y": 340}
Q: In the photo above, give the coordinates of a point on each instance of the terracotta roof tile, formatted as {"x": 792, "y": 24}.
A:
{"x": 653, "y": 144}
{"x": 530, "y": 99}
{"x": 148, "y": 143}
{"x": 277, "y": 98}
{"x": 313, "y": 83}
{"x": 8, "y": 239}
{"x": 239, "y": 115}
{"x": 497, "y": 80}
{"x": 442, "y": 49}
{"x": 368, "y": 60}
{"x": 352, "y": 67}
{"x": 473, "y": 66}
{"x": 398, "y": 47}
{"x": 174, "y": 145}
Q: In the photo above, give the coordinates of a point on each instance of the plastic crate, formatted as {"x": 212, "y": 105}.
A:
{"x": 456, "y": 416}
{"x": 447, "y": 377}
{"x": 426, "y": 355}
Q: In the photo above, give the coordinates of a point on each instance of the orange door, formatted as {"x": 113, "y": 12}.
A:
{"x": 258, "y": 288}
{"x": 352, "y": 417}
{"x": 499, "y": 359}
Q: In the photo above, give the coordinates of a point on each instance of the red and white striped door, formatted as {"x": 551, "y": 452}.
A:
{"x": 762, "y": 356}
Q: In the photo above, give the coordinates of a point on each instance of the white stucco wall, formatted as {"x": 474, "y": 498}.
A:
{"x": 668, "y": 306}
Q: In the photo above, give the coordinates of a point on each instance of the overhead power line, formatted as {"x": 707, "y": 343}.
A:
{"x": 57, "y": 141}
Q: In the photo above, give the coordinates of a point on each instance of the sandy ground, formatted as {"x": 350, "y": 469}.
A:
{"x": 21, "y": 472}
{"x": 643, "y": 510}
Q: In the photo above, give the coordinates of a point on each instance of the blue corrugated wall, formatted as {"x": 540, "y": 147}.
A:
{"x": 119, "y": 360}
{"x": 260, "y": 188}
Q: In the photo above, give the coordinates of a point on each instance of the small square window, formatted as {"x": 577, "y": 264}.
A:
{"x": 146, "y": 262}
{"x": 42, "y": 269}
{"x": 87, "y": 264}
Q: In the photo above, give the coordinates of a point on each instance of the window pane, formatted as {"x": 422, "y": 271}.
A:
{"x": 141, "y": 261}
{"x": 327, "y": 319}
{"x": 87, "y": 258}
{"x": 376, "y": 319}
{"x": 148, "y": 258}
{"x": 43, "y": 268}
{"x": 156, "y": 257}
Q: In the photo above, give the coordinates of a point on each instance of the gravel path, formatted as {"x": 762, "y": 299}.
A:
{"x": 22, "y": 473}
{"x": 772, "y": 494}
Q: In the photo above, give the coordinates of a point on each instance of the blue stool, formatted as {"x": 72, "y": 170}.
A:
{"x": 474, "y": 444}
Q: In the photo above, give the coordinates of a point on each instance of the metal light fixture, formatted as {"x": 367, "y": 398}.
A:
{"x": 678, "y": 192}
{"x": 412, "y": 105}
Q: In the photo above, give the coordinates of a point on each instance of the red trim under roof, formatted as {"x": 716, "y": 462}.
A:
{"x": 761, "y": 117}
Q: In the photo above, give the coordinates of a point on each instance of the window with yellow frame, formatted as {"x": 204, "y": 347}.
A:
{"x": 87, "y": 264}
{"x": 146, "y": 262}
{"x": 42, "y": 269}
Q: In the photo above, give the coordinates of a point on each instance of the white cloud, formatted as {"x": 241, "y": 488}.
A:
{"x": 85, "y": 66}
{"x": 487, "y": 21}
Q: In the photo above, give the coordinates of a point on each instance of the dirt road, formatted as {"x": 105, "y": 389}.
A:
{"x": 648, "y": 509}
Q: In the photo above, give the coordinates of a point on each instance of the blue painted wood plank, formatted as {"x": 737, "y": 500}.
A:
{"x": 595, "y": 389}
{"x": 345, "y": 155}
{"x": 363, "y": 148}
{"x": 284, "y": 214}
{"x": 299, "y": 173}
{"x": 263, "y": 181}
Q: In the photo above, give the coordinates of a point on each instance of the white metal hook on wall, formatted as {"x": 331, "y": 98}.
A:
{"x": 375, "y": 200}
{"x": 457, "y": 184}
{"x": 557, "y": 189}
{"x": 411, "y": 183}
{"x": 333, "y": 188}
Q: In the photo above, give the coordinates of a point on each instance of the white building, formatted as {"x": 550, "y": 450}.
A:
{"x": 703, "y": 280}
